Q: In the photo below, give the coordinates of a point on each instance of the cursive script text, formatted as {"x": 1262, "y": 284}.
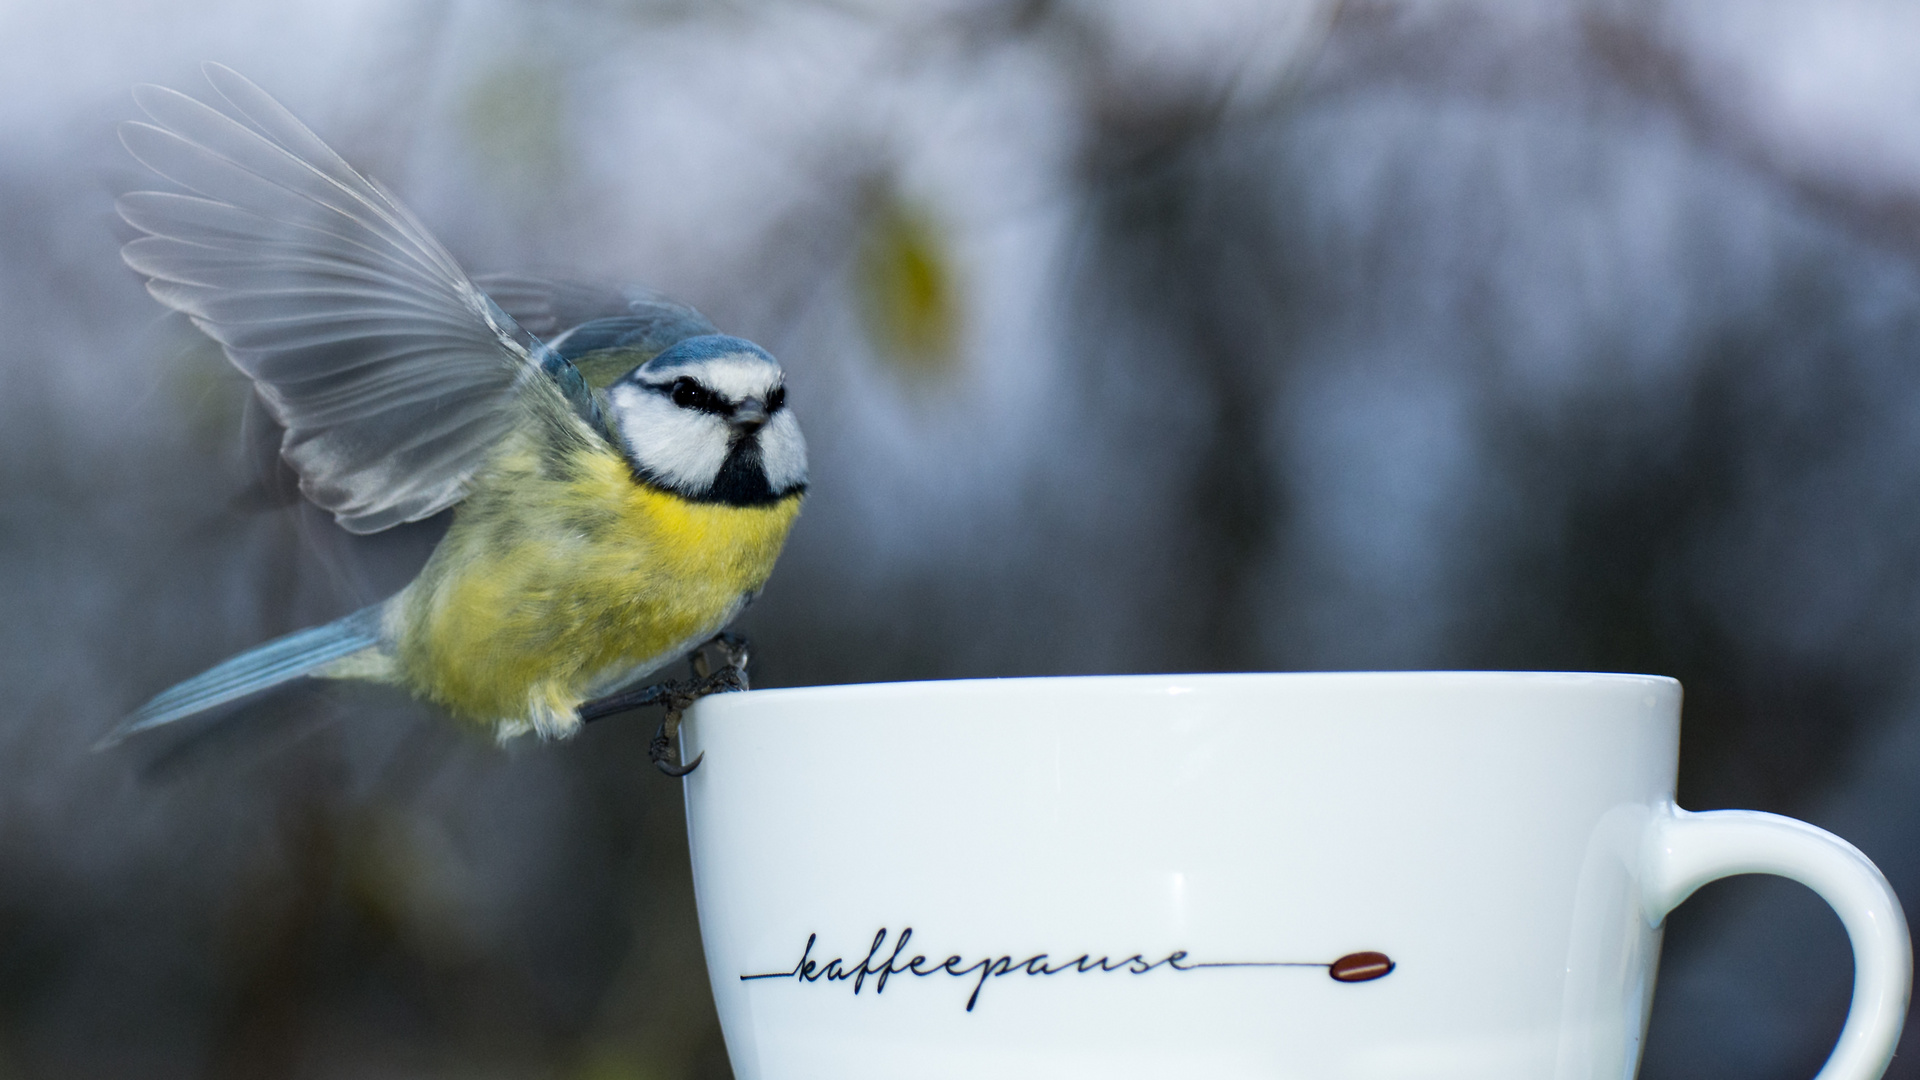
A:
{"x": 879, "y": 968}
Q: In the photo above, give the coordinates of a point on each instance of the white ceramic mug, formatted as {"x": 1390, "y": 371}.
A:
{"x": 1314, "y": 875}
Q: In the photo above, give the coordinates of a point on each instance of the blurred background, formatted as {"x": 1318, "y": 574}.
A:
{"x": 1129, "y": 337}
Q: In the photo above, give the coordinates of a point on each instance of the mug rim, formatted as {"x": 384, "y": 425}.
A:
{"x": 945, "y": 687}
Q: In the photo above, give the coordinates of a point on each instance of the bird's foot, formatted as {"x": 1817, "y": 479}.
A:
{"x": 677, "y": 695}
{"x": 733, "y": 650}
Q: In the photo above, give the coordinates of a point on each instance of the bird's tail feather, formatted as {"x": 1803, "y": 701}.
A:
{"x": 278, "y": 661}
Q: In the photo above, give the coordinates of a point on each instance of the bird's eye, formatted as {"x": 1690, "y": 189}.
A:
{"x": 691, "y": 395}
{"x": 776, "y": 399}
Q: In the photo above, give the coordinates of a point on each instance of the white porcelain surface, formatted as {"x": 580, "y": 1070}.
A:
{"x": 1508, "y": 840}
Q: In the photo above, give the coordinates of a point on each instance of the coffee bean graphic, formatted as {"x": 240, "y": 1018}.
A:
{"x": 1360, "y": 967}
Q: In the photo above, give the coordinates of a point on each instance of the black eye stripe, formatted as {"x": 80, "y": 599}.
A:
{"x": 688, "y": 394}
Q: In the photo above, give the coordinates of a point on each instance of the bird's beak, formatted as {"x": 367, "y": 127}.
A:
{"x": 749, "y": 416}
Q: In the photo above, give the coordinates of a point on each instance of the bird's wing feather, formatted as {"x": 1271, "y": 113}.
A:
{"x": 578, "y": 318}
{"x": 548, "y": 305}
{"x": 391, "y": 371}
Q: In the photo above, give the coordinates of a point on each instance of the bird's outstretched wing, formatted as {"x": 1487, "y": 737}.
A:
{"x": 392, "y": 373}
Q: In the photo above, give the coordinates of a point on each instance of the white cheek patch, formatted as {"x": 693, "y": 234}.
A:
{"x": 783, "y": 452}
{"x": 683, "y": 448}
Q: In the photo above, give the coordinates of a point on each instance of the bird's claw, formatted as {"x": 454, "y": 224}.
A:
{"x": 665, "y": 758}
{"x": 663, "y": 749}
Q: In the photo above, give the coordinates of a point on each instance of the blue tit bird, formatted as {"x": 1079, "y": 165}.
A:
{"x": 620, "y": 491}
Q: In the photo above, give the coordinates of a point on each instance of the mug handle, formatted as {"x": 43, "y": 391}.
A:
{"x": 1686, "y": 850}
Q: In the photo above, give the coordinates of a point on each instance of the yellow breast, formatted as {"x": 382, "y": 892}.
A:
{"x": 555, "y": 573}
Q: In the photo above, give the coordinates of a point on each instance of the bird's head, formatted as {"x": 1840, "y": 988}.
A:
{"x": 708, "y": 419}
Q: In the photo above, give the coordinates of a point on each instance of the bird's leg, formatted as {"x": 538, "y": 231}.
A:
{"x": 627, "y": 701}
{"x": 677, "y": 696}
